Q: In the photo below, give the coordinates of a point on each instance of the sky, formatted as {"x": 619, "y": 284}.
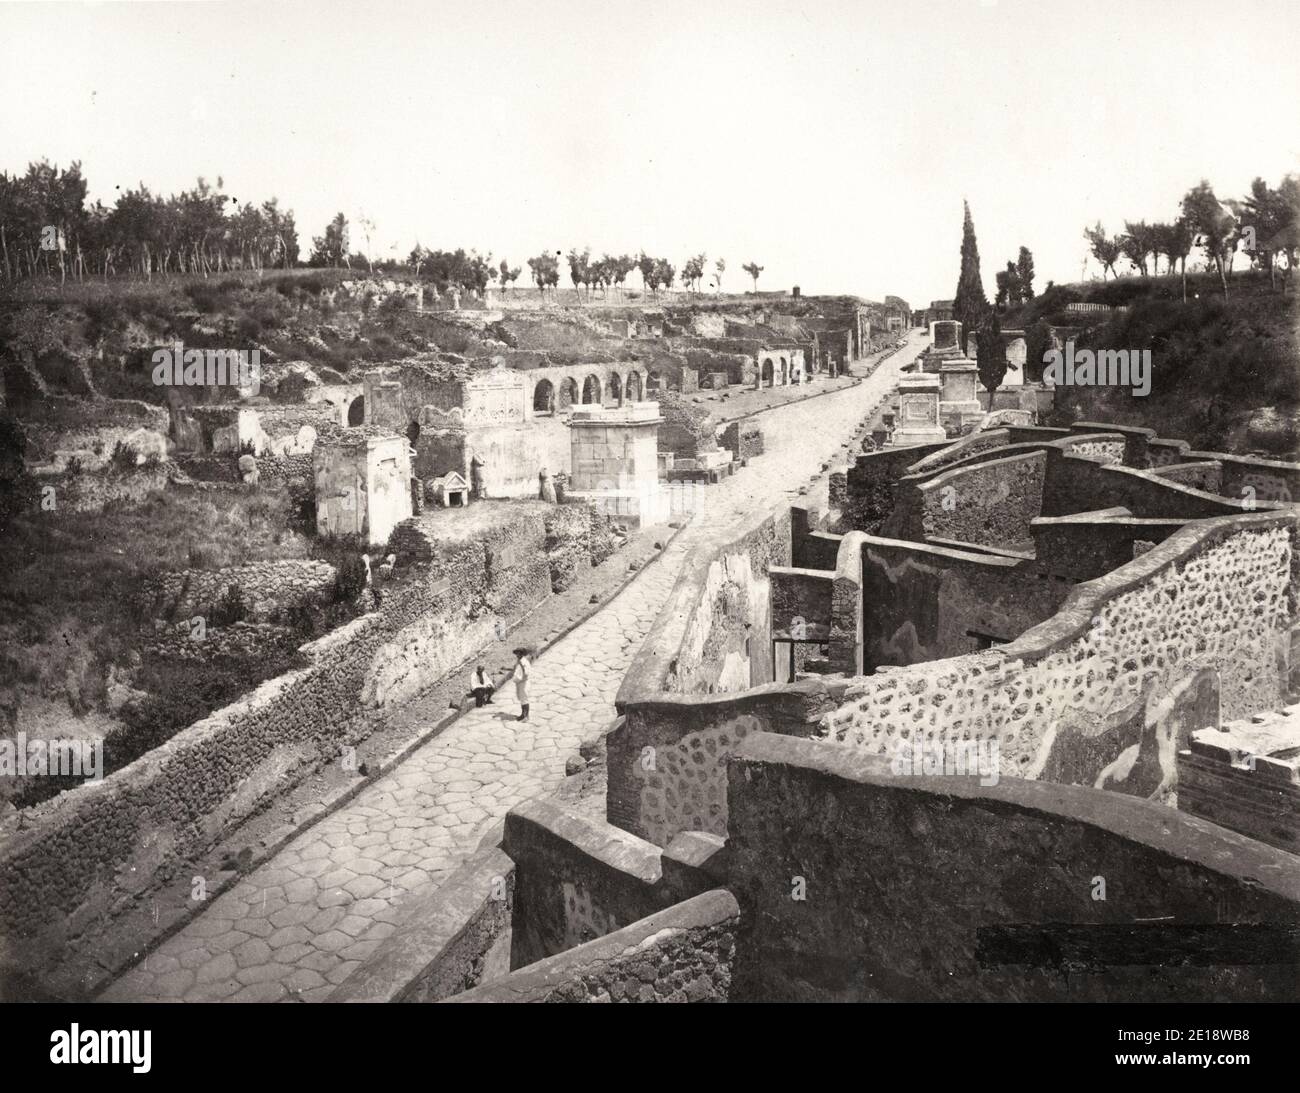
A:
{"x": 831, "y": 142}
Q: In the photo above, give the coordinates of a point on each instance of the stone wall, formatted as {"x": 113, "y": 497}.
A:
{"x": 725, "y": 644}
{"x": 922, "y": 602}
{"x": 1079, "y": 693}
{"x": 990, "y": 503}
{"x": 88, "y": 853}
{"x": 940, "y": 889}
{"x": 449, "y": 942}
{"x": 666, "y": 762}
{"x": 743, "y": 439}
{"x": 576, "y": 879}
{"x": 1207, "y": 476}
{"x": 686, "y": 430}
{"x": 268, "y": 589}
{"x": 681, "y": 954}
{"x": 869, "y": 485}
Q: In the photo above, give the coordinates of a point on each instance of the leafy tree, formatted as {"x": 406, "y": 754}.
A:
{"x": 1213, "y": 225}
{"x": 1038, "y": 341}
{"x": 970, "y": 305}
{"x": 1107, "y": 251}
{"x": 753, "y": 269}
{"x": 1025, "y": 274}
{"x": 1271, "y": 217}
{"x": 1008, "y": 282}
{"x": 649, "y": 268}
{"x": 720, "y": 266}
{"x": 693, "y": 272}
{"x": 508, "y": 274}
{"x": 580, "y": 270}
{"x": 1136, "y": 243}
{"x": 545, "y": 270}
{"x": 332, "y": 248}
{"x": 665, "y": 273}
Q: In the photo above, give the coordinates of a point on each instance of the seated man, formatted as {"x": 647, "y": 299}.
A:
{"x": 480, "y": 686}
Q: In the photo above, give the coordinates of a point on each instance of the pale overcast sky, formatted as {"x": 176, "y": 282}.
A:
{"x": 832, "y": 142}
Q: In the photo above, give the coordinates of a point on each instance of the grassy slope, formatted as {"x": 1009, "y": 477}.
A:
{"x": 1225, "y": 373}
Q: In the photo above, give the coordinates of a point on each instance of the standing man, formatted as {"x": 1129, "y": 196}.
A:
{"x": 523, "y": 669}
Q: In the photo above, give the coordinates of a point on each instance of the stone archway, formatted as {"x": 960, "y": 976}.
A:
{"x": 765, "y": 373}
{"x": 544, "y": 397}
{"x": 785, "y": 370}
{"x": 615, "y": 390}
{"x": 357, "y": 411}
{"x": 591, "y": 391}
{"x": 633, "y": 388}
{"x": 569, "y": 393}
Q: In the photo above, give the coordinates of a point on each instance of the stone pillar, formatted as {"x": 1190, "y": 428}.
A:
{"x": 918, "y": 413}
{"x": 615, "y": 460}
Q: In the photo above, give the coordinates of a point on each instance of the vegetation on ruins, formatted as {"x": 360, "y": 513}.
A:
{"x": 1265, "y": 224}
{"x": 991, "y": 352}
{"x": 969, "y": 302}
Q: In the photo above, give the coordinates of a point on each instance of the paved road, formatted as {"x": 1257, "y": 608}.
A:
{"x": 298, "y": 925}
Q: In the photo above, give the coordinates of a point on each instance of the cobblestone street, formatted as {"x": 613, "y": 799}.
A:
{"x": 298, "y": 925}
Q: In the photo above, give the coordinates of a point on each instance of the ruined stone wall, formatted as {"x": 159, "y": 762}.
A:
{"x": 1067, "y": 699}
{"x": 1082, "y": 485}
{"x": 743, "y": 439}
{"x": 681, "y": 954}
{"x": 450, "y": 941}
{"x": 725, "y": 644}
{"x": 83, "y": 853}
{"x": 576, "y": 879}
{"x": 1257, "y": 479}
{"x": 577, "y": 538}
{"x": 268, "y": 589}
{"x": 869, "y": 485}
{"x": 968, "y": 888}
{"x": 1202, "y": 476}
{"x": 686, "y": 430}
{"x": 667, "y": 761}
{"x": 924, "y": 603}
{"x": 990, "y": 503}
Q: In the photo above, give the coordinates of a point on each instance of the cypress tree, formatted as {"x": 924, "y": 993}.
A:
{"x": 970, "y": 304}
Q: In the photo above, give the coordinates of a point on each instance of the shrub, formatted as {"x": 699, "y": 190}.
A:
{"x": 349, "y": 579}
{"x": 124, "y": 457}
{"x": 230, "y": 609}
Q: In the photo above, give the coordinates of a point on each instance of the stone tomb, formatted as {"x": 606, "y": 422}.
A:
{"x": 451, "y": 490}
{"x": 918, "y": 413}
{"x": 945, "y": 334}
{"x": 959, "y": 404}
{"x": 363, "y": 483}
{"x": 615, "y": 460}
